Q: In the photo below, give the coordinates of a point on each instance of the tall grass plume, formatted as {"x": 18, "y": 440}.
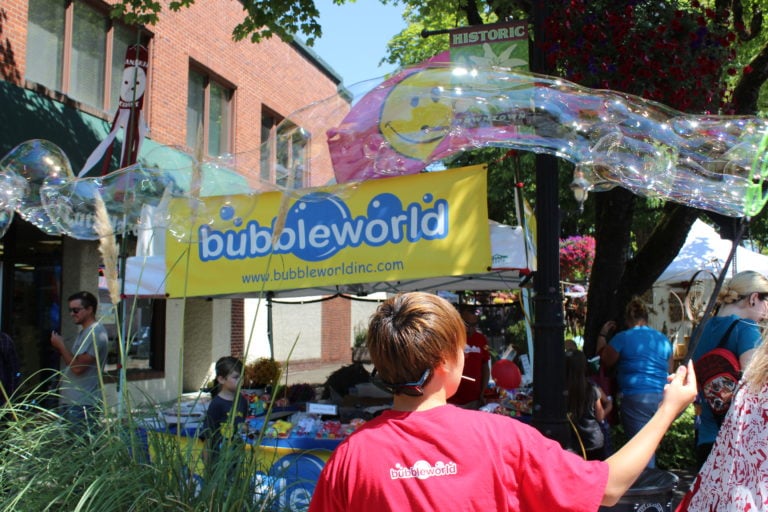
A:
{"x": 107, "y": 248}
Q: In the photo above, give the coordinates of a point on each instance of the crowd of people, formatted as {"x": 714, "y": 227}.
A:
{"x": 413, "y": 342}
{"x": 425, "y": 453}
{"x": 432, "y": 448}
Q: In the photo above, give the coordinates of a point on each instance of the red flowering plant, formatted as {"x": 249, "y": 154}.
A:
{"x": 577, "y": 254}
{"x": 672, "y": 52}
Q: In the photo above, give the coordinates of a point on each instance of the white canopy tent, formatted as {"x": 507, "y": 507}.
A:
{"x": 705, "y": 250}
{"x": 682, "y": 291}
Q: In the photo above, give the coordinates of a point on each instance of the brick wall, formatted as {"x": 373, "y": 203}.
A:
{"x": 13, "y": 40}
{"x": 336, "y": 331}
{"x": 271, "y": 73}
{"x": 237, "y": 338}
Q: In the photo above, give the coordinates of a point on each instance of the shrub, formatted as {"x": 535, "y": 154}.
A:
{"x": 577, "y": 253}
{"x": 261, "y": 373}
{"x": 678, "y": 447}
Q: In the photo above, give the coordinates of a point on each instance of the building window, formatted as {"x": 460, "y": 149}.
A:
{"x": 78, "y": 50}
{"x": 144, "y": 332}
{"x": 284, "y": 147}
{"x": 209, "y": 113}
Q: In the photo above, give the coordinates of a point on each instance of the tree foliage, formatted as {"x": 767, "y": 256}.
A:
{"x": 261, "y": 18}
{"x": 694, "y": 56}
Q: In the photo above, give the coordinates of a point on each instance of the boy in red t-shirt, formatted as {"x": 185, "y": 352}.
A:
{"x": 425, "y": 454}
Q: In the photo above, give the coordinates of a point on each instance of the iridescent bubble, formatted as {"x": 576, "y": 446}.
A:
{"x": 187, "y": 216}
{"x": 125, "y": 193}
{"x": 13, "y": 188}
{"x": 40, "y": 163}
{"x": 6, "y": 218}
{"x": 426, "y": 114}
{"x": 416, "y": 120}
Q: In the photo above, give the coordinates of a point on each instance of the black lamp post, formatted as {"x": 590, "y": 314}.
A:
{"x": 548, "y": 326}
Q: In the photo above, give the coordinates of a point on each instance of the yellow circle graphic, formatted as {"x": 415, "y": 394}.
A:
{"x": 417, "y": 114}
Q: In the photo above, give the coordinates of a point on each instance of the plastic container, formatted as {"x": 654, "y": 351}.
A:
{"x": 653, "y": 491}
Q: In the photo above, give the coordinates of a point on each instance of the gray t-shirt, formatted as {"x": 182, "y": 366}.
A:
{"x": 83, "y": 389}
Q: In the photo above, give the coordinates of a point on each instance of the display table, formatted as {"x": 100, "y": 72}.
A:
{"x": 291, "y": 465}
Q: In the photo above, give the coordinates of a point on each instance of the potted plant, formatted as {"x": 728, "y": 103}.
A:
{"x": 261, "y": 373}
{"x": 360, "y": 352}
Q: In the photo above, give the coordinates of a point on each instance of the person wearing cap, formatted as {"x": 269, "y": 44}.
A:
{"x": 744, "y": 300}
{"x": 425, "y": 454}
{"x": 477, "y": 370}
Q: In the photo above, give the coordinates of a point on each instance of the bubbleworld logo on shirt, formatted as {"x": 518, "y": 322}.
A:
{"x": 425, "y": 225}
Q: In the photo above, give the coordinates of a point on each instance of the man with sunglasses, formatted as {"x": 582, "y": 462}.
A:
{"x": 425, "y": 454}
{"x": 79, "y": 393}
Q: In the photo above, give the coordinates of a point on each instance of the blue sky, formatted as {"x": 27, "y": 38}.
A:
{"x": 355, "y": 37}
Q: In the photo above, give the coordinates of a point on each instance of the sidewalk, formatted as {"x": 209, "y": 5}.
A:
{"x": 315, "y": 375}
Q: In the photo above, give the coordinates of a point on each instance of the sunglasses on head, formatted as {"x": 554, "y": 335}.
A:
{"x": 409, "y": 388}
{"x": 75, "y": 310}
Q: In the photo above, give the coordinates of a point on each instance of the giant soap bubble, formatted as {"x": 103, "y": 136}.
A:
{"x": 125, "y": 193}
{"x": 41, "y": 163}
{"x": 427, "y": 113}
{"x": 405, "y": 124}
{"x": 196, "y": 181}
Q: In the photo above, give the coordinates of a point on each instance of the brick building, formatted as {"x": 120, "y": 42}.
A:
{"x": 61, "y": 65}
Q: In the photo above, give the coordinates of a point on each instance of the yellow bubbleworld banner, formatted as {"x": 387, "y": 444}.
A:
{"x": 423, "y": 225}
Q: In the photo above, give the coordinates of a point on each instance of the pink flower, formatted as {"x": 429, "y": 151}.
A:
{"x": 577, "y": 254}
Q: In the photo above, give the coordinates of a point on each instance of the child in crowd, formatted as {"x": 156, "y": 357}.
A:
{"x": 585, "y": 407}
{"x": 424, "y": 454}
{"x": 227, "y": 409}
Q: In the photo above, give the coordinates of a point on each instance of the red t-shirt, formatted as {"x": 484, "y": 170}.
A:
{"x": 448, "y": 458}
{"x": 475, "y": 356}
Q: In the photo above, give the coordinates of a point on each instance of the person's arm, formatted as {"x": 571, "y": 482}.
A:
{"x": 626, "y": 464}
{"x": 605, "y": 404}
{"x": 599, "y": 411}
{"x": 79, "y": 363}
{"x": 608, "y": 355}
{"x": 746, "y": 357}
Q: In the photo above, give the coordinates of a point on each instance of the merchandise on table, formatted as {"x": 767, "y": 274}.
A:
{"x": 515, "y": 403}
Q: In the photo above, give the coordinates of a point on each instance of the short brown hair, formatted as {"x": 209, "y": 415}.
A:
{"x": 636, "y": 311}
{"x": 413, "y": 332}
{"x": 87, "y": 299}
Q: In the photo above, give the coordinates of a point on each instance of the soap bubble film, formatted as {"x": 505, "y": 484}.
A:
{"x": 425, "y": 114}
{"x": 408, "y": 123}
{"x": 40, "y": 163}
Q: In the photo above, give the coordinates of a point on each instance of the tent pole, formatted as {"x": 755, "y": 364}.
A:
{"x": 270, "y": 295}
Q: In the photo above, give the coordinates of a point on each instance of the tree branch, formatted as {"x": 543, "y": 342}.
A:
{"x": 747, "y": 91}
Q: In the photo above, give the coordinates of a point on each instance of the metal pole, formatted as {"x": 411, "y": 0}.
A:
{"x": 549, "y": 360}
{"x": 269, "y": 325}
